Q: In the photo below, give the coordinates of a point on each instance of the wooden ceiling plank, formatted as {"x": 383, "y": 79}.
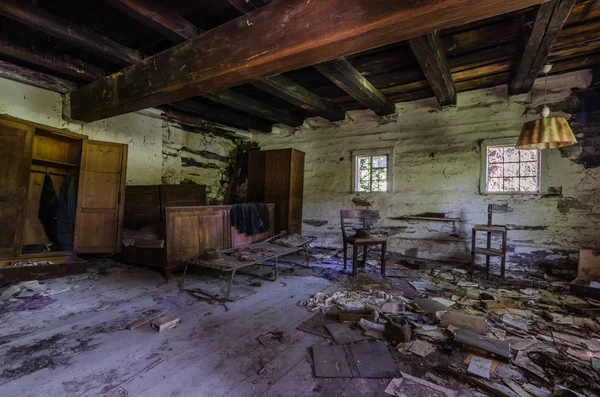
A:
{"x": 274, "y": 40}
{"x": 27, "y": 76}
{"x": 69, "y": 32}
{"x": 347, "y": 77}
{"x": 221, "y": 115}
{"x": 156, "y": 16}
{"x": 247, "y": 6}
{"x": 60, "y": 63}
{"x": 548, "y": 23}
{"x": 250, "y": 105}
{"x": 430, "y": 54}
{"x": 286, "y": 89}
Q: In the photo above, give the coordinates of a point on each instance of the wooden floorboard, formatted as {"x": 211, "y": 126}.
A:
{"x": 212, "y": 350}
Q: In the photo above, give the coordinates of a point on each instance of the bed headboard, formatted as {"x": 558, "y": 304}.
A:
{"x": 145, "y": 204}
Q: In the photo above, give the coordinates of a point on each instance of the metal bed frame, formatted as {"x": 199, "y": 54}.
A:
{"x": 233, "y": 265}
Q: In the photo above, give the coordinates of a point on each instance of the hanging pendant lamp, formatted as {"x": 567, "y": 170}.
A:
{"x": 547, "y": 132}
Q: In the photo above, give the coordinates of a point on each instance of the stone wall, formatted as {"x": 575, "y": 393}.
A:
{"x": 437, "y": 170}
{"x": 159, "y": 151}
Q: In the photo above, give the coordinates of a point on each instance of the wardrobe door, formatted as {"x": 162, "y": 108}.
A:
{"x": 16, "y": 142}
{"x": 100, "y": 198}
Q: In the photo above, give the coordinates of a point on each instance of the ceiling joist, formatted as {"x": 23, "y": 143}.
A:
{"x": 430, "y": 54}
{"x": 548, "y": 23}
{"x": 286, "y": 89}
{"x": 56, "y": 62}
{"x": 270, "y": 41}
{"x": 35, "y": 78}
{"x": 156, "y": 16}
{"x": 348, "y": 78}
{"x": 69, "y": 32}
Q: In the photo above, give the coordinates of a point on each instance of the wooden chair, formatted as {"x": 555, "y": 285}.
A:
{"x": 357, "y": 219}
{"x": 488, "y": 251}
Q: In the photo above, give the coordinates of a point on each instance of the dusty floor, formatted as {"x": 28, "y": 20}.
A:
{"x": 74, "y": 341}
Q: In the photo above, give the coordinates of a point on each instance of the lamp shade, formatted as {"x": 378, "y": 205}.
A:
{"x": 546, "y": 133}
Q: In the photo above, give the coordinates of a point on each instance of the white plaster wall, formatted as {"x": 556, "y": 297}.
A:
{"x": 150, "y": 161}
{"x": 437, "y": 169}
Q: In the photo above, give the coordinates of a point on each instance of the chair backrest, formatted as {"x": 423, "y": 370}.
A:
{"x": 352, "y": 220}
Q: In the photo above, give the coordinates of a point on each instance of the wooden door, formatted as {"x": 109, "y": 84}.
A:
{"x": 16, "y": 142}
{"x": 100, "y": 198}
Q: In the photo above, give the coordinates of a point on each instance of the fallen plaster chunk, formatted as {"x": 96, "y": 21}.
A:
{"x": 411, "y": 386}
{"x": 165, "y": 322}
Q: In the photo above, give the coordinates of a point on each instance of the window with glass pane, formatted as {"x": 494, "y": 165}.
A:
{"x": 371, "y": 173}
{"x": 512, "y": 170}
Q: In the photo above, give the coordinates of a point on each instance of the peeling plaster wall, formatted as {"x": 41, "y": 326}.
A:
{"x": 159, "y": 151}
{"x": 208, "y": 159}
{"x": 437, "y": 168}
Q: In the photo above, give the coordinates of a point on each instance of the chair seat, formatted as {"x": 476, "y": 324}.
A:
{"x": 366, "y": 240}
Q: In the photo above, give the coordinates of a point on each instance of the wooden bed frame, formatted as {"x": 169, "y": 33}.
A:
{"x": 189, "y": 230}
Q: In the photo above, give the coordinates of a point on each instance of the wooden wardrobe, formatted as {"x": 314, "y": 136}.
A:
{"x": 277, "y": 176}
{"x": 29, "y": 152}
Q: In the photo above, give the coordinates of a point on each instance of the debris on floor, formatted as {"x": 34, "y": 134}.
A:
{"x": 502, "y": 337}
{"x": 165, "y": 322}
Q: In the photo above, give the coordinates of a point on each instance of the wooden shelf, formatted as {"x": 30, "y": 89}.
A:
{"x": 54, "y": 163}
{"x": 424, "y": 218}
{"x": 488, "y": 251}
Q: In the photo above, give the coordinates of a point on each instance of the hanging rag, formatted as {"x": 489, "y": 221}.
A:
{"x": 48, "y": 210}
{"x": 250, "y": 218}
{"x": 67, "y": 206}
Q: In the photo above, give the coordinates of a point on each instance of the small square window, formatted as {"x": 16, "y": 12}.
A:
{"x": 507, "y": 170}
{"x": 372, "y": 171}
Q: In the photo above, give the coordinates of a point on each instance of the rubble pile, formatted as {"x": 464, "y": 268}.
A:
{"x": 501, "y": 337}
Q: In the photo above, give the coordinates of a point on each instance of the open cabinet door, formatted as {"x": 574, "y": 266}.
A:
{"x": 100, "y": 198}
{"x": 16, "y": 143}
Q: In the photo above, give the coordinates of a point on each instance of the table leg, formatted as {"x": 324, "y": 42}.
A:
{"x": 383, "y": 249}
{"x": 275, "y": 272}
{"x": 183, "y": 277}
{"x": 229, "y": 286}
{"x": 306, "y": 255}
{"x": 355, "y": 260}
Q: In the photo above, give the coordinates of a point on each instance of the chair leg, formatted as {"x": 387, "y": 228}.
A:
{"x": 473, "y": 242}
{"x": 503, "y": 263}
{"x": 183, "y": 277}
{"x": 355, "y": 260}
{"x": 383, "y": 249}
{"x": 345, "y": 254}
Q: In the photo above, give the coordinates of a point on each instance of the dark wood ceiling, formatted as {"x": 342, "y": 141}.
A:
{"x": 479, "y": 55}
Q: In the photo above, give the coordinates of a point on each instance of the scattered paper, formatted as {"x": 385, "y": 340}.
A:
{"x": 515, "y": 321}
{"x": 410, "y": 386}
{"x": 421, "y": 348}
{"x": 480, "y": 366}
{"x": 444, "y": 301}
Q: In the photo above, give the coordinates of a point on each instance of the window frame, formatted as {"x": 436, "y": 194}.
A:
{"x": 483, "y": 179}
{"x": 389, "y": 153}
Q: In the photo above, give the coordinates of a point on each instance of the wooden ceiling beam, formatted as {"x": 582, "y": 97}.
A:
{"x": 286, "y": 89}
{"x": 347, "y": 77}
{"x": 178, "y": 29}
{"x": 250, "y": 105}
{"x": 27, "y": 76}
{"x": 156, "y": 16}
{"x": 59, "y": 63}
{"x": 204, "y": 109}
{"x": 549, "y": 20}
{"x": 69, "y": 32}
{"x": 271, "y": 41}
{"x": 430, "y": 54}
